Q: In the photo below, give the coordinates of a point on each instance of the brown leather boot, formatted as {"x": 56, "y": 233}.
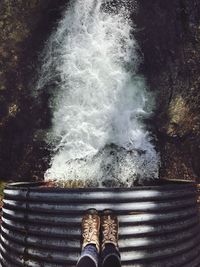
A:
{"x": 90, "y": 228}
{"x": 109, "y": 228}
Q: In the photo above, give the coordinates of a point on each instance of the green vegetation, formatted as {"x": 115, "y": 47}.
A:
{"x": 2, "y": 186}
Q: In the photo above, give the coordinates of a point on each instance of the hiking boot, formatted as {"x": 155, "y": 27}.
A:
{"x": 90, "y": 228}
{"x": 109, "y": 228}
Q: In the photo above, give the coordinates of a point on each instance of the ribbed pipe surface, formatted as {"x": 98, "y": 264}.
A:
{"x": 159, "y": 225}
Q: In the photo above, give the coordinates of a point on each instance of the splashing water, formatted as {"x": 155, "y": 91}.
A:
{"x": 98, "y": 100}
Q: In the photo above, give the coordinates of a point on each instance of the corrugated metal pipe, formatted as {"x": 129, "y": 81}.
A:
{"x": 159, "y": 224}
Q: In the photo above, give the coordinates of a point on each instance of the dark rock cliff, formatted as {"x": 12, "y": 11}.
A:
{"x": 170, "y": 41}
{"x": 24, "y": 26}
{"x": 169, "y": 37}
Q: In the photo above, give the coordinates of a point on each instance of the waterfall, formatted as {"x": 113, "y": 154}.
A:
{"x": 98, "y": 100}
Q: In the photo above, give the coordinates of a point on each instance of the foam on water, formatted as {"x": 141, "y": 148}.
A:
{"x": 98, "y": 100}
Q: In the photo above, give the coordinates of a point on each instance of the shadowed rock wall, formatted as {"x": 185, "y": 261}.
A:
{"x": 168, "y": 33}
{"x": 169, "y": 38}
{"x": 24, "y": 27}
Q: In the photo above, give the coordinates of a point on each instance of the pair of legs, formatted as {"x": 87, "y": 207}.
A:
{"x": 92, "y": 226}
{"x": 90, "y": 257}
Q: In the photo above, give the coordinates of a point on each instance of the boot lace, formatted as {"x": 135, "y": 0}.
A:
{"x": 110, "y": 230}
{"x": 89, "y": 228}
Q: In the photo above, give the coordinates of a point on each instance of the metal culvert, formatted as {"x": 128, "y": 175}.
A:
{"x": 159, "y": 225}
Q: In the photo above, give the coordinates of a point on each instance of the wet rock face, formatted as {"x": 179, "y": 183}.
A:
{"x": 24, "y": 27}
{"x": 169, "y": 37}
{"x": 170, "y": 42}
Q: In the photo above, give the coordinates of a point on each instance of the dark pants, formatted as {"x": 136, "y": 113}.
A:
{"x": 110, "y": 257}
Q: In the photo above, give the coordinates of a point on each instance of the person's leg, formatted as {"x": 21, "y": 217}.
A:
{"x": 111, "y": 256}
{"x": 110, "y": 252}
{"x": 89, "y": 257}
{"x": 90, "y": 246}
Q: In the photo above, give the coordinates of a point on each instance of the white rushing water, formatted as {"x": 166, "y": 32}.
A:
{"x": 98, "y": 100}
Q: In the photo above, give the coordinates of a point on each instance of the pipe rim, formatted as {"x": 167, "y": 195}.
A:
{"x": 162, "y": 184}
